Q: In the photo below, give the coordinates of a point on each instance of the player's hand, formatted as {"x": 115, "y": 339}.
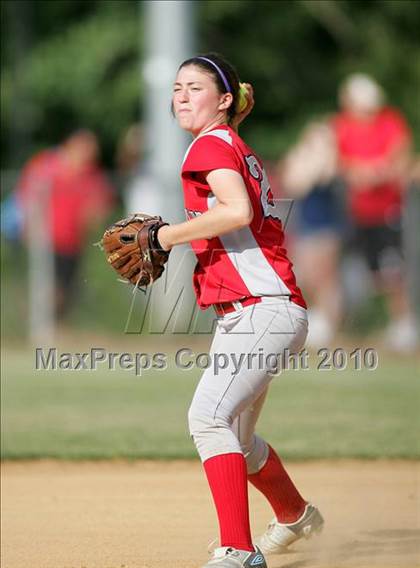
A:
{"x": 239, "y": 117}
{"x": 132, "y": 249}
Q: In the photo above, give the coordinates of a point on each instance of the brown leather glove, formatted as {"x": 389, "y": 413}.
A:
{"x": 132, "y": 248}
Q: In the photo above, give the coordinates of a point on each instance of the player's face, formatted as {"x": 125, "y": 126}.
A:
{"x": 197, "y": 103}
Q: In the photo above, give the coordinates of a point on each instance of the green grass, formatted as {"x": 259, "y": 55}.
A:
{"x": 309, "y": 414}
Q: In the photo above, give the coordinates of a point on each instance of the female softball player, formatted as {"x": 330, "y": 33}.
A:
{"x": 243, "y": 272}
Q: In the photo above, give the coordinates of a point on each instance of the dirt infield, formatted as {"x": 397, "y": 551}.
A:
{"x": 159, "y": 515}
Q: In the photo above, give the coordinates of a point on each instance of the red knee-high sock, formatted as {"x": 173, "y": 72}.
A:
{"x": 227, "y": 478}
{"x": 275, "y": 484}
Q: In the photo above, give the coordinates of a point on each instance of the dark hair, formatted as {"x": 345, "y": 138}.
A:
{"x": 229, "y": 72}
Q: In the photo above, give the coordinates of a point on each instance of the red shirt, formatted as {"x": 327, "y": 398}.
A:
{"x": 72, "y": 198}
{"x": 251, "y": 261}
{"x": 369, "y": 143}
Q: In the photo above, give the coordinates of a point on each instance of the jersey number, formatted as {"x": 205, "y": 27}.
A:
{"x": 271, "y": 207}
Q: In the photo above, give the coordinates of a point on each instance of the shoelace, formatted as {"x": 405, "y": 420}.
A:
{"x": 271, "y": 527}
{"x": 227, "y": 551}
{"x": 212, "y": 546}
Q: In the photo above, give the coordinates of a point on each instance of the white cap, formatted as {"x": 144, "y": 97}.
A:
{"x": 361, "y": 92}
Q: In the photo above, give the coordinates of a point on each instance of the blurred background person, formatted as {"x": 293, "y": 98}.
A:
{"x": 76, "y": 197}
{"x": 374, "y": 152}
{"x": 129, "y": 153}
{"x": 308, "y": 174}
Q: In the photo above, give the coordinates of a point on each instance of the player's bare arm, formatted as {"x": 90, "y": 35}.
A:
{"x": 232, "y": 211}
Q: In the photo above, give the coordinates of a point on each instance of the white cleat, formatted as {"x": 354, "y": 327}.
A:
{"x": 279, "y": 536}
{"x": 228, "y": 557}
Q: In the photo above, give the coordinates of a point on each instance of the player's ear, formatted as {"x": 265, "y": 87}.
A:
{"x": 225, "y": 101}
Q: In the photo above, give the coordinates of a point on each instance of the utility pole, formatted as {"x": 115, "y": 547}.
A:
{"x": 169, "y": 29}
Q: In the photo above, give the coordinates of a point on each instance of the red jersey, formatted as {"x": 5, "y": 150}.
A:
{"x": 73, "y": 198}
{"x": 251, "y": 261}
{"x": 369, "y": 143}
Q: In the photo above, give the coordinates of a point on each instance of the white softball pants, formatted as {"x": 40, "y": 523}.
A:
{"x": 226, "y": 405}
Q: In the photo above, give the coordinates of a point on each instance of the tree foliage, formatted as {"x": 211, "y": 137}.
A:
{"x": 72, "y": 62}
{"x": 297, "y": 52}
